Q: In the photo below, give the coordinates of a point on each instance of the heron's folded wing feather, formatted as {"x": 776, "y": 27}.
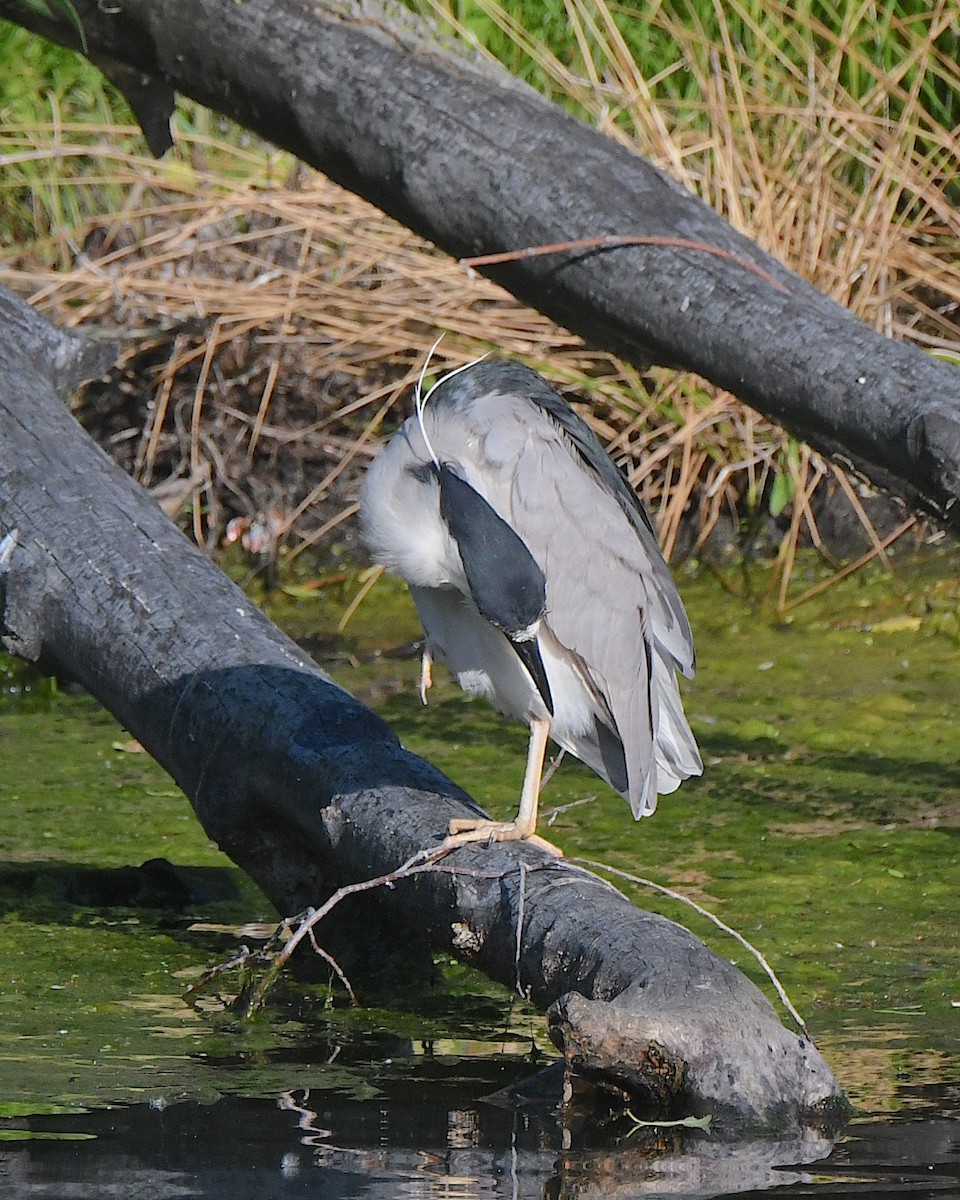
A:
{"x": 595, "y": 597}
{"x": 668, "y": 620}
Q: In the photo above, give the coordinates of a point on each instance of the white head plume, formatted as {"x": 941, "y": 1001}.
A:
{"x": 420, "y": 400}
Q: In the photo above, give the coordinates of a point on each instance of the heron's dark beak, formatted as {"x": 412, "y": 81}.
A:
{"x": 528, "y": 652}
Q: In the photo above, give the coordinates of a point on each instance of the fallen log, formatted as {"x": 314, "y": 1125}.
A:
{"x": 470, "y": 158}
{"x": 307, "y": 790}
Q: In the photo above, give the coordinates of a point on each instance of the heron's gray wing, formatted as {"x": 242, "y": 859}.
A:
{"x": 668, "y": 620}
{"x": 611, "y": 602}
{"x": 599, "y": 589}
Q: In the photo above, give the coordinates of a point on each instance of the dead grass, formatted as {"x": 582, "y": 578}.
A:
{"x": 271, "y": 321}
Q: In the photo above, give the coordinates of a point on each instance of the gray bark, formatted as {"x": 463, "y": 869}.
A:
{"x": 307, "y": 790}
{"x": 478, "y": 163}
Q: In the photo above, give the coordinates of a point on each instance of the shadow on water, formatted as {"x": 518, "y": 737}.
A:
{"x": 427, "y": 1137}
{"x": 59, "y": 888}
{"x": 904, "y": 770}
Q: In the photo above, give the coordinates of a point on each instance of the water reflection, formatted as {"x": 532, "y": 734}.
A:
{"x": 421, "y": 1139}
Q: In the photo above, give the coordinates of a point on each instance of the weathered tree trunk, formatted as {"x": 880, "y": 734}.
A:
{"x": 477, "y": 162}
{"x": 307, "y": 790}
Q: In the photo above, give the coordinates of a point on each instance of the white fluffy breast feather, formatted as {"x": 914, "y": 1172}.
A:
{"x": 401, "y": 524}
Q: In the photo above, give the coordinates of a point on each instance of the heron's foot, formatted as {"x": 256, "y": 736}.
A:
{"x": 465, "y": 831}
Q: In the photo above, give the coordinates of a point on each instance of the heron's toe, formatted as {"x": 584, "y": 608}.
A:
{"x": 464, "y": 831}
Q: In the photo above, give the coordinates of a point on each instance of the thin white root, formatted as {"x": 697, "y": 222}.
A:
{"x": 551, "y": 814}
{"x": 7, "y": 546}
{"x": 551, "y": 769}
{"x": 738, "y": 937}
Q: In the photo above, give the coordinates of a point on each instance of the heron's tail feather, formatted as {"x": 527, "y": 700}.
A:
{"x": 676, "y": 749}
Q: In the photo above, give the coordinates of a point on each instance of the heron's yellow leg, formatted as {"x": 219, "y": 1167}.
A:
{"x": 426, "y": 674}
{"x": 523, "y": 827}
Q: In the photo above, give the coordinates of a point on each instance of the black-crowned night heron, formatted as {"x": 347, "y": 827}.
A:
{"x": 537, "y": 576}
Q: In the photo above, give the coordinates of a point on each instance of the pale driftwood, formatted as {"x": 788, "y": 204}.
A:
{"x": 478, "y": 163}
{"x": 307, "y": 790}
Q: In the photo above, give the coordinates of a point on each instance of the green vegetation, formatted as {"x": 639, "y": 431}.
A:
{"x": 47, "y": 87}
{"x": 42, "y": 80}
{"x": 908, "y": 46}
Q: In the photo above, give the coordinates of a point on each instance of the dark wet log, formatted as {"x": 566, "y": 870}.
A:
{"x": 478, "y": 163}
{"x": 307, "y": 790}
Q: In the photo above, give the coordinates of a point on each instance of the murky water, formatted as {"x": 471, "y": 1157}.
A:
{"x": 428, "y": 1139}
{"x": 825, "y": 829}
